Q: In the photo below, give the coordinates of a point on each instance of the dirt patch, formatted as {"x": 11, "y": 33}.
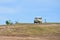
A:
{"x": 29, "y": 38}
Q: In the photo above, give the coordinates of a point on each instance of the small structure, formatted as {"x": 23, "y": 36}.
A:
{"x": 38, "y": 20}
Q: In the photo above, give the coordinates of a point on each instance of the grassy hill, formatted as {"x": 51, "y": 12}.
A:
{"x": 30, "y": 30}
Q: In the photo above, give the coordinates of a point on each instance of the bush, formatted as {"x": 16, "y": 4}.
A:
{"x": 7, "y": 22}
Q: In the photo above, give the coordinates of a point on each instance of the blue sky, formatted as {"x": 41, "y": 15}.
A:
{"x": 25, "y": 10}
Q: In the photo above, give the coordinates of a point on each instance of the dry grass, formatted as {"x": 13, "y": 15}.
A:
{"x": 30, "y": 30}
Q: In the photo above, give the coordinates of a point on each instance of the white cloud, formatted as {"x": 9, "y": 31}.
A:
{"x": 7, "y": 10}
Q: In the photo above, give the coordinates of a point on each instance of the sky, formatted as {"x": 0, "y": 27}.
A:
{"x": 24, "y": 11}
